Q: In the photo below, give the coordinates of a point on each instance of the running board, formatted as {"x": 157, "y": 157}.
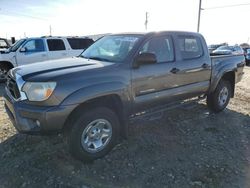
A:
{"x": 158, "y": 112}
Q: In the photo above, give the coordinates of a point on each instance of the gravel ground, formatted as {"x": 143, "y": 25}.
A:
{"x": 188, "y": 147}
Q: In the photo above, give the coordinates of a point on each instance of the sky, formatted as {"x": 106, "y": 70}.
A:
{"x": 30, "y": 18}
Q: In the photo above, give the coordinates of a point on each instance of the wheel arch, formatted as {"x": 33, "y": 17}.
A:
{"x": 111, "y": 101}
{"x": 6, "y": 64}
{"x": 228, "y": 76}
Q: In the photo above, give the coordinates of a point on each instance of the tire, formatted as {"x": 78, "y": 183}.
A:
{"x": 219, "y": 99}
{"x": 3, "y": 74}
{"x": 247, "y": 62}
{"x": 87, "y": 125}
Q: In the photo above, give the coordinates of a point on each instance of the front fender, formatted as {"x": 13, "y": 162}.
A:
{"x": 10, "y": 58}
{"x": 98, "y": 90}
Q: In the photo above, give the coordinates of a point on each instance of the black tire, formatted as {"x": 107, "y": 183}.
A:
{"x": 247, "y": 62}
{"x": 213, "y": 99}
{"x": 81, "y": 122}
{"x": 3, "y": 73}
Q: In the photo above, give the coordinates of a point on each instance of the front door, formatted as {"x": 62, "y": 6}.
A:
{"x": 32, "y": 51}
{"x": 149, "y": 82}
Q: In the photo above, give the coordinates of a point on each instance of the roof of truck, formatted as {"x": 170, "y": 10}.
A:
{"x": 157, "y": 32}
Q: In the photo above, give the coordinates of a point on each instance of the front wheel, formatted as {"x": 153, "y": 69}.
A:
{"x": 3, "y": 74}
{"x": 93, "y": 134}
{"x": 219, "y": 99}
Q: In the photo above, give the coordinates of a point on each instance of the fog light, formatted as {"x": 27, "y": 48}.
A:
{"x": 38, "y": 123}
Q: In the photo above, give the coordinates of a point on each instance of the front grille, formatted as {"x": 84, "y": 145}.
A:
{"x": 12, "y": 87}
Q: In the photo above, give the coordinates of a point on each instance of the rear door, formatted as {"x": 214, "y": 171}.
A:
{"x": 77, "y": 45}
{"x": 56, "y": 49}
{"x": 193, "y": 67}
{"x": 150, "y": 82}
{"x": 34, "y": 52}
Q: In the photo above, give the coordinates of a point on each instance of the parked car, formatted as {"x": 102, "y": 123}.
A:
{"x": 93, "y": 97}
{"x": 4, "y": 44}
{"x": 213, "y": 47}
{"x": 31, "y": 50}
{"x": 229, "y": 50}
{"x": 247, "y": 55}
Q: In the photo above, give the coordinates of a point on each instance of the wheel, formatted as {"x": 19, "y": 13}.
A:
{"x": 247, "y": 62}
{"x": 219, "y": 99}
{"x": 93, "y": 134}
{"x": 3, "y": 73}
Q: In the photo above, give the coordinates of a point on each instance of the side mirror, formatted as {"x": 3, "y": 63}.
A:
{"x": 144, "y": 59}
{"x": 23, "y": 49}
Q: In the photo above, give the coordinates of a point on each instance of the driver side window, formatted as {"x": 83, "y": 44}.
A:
{"x": 35, "y": 45}
{"x": 162, "y": 47}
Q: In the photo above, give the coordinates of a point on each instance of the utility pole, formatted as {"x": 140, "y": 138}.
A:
{"x": 199, "y": 16}
{"x": 146, "y": 21}
{"x": 50, "y": 30}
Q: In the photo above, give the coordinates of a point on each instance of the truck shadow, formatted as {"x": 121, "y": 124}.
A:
{"x": 187, "y": 147}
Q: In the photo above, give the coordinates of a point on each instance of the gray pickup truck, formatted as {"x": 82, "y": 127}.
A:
{"x": 93, "y": 97}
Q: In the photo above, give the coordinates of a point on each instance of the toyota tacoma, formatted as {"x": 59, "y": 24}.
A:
{"x": 93, "y": 97}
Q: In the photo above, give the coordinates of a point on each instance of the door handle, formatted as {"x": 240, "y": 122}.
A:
{"x": 43, "y": 55}
{"x": 205, "y": 66}
{"x": 175, "y": 70}
{"x": 64, "y": 54}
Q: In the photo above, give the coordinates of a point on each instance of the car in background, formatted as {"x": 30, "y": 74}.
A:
{"x": 4, "y": 44}
{"x": 213, "y": 47}
{"x": 228, "y": 50}
{"x": 247, "y": 55}
{"x": 31, "y": 50}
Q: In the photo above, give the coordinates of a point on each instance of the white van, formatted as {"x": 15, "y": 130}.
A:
{"x": 31, "y": 50}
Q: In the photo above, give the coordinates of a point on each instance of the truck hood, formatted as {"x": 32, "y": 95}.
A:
{"x": 48, "y": 70}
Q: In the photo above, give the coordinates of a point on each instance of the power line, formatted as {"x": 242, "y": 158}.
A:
{"x": 226, "y": 6}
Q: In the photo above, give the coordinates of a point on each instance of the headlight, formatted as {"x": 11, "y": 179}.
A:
{"x": 38, "y": 91}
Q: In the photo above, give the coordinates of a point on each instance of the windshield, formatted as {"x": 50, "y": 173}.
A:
{"x": 17, "y": 45}
{"x": 111, "y": 48}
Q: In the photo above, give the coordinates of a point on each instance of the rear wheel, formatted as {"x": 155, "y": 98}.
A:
{"x": 219, "y": 99}
{"x": 93, "y": 134}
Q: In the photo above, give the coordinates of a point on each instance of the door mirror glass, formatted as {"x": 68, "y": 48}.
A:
{"x": 23, "y": 49}
{"x": 144, "y": 59}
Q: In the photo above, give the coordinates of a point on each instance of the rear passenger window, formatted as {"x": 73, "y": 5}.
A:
{"x": 162, "y": 47}
{"x": 55, "y": 44}
{"x": 190, "y": 47}
{"x": 79, "y": 44}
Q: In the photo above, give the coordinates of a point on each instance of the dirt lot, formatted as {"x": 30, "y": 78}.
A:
{"x": 188, "y": 147}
